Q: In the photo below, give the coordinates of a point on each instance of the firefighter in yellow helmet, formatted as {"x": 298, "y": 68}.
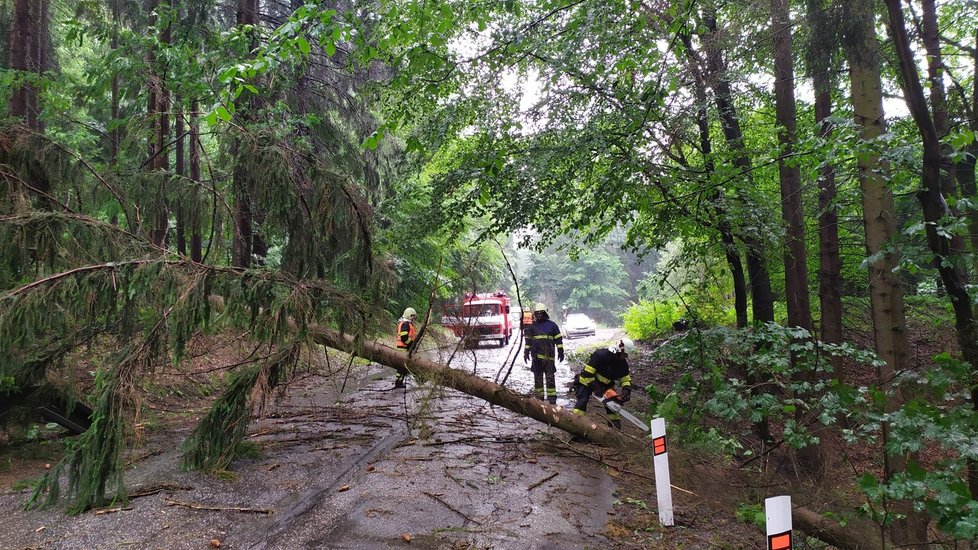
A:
{"x": 407, "y": 338}
{"x": 543, "y": 344}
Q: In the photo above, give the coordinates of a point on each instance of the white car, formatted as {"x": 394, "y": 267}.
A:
{"x": 578, "y": 324}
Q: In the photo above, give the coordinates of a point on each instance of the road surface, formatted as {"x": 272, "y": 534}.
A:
{"x": 363, "y": 468}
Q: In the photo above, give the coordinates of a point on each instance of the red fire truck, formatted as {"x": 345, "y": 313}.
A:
{"x": 481, "y": 317}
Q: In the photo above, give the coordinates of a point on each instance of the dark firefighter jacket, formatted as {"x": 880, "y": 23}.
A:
{"x": 606, "y": 367}
{"x": 544, "y": 343}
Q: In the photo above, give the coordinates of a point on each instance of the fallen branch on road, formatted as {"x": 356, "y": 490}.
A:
{"x": 157, "y": 488}
{"x": 452, "y": 508}
{"x": 195, "y": 506}
{"x": 542, "y": 481}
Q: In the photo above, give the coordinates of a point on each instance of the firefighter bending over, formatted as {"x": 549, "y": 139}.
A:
{"x": 542, "y": 339}
{"x": 406, "y": 341}
{"x": 605, "y": 367}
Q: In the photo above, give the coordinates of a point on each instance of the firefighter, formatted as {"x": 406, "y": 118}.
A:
{"x": 542, "y": 339}
{"x": 605, "y": 367}
{"x": 406, "y": 340}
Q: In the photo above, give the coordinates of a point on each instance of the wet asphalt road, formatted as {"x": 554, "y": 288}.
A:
{"x": 371, "y": 468}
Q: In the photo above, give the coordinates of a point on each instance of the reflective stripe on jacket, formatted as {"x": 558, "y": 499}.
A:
{"x": 606, "y": 367}
{"x": 542, "y": 339}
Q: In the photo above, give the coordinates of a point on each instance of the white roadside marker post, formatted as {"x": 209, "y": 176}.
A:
{"x": 660, "y": 459}
{"x": 777, "y": 512}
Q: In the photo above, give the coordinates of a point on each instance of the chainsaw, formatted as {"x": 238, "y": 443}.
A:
{"x": 612, "y": 402}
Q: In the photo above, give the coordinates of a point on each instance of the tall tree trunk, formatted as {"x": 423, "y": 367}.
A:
{"x": 795, "y": 253}
{"x": 762, "y": 297}
{"x": 115, "y": 135}
{"x": 965, "y": 170}
{"x": 934, "y": 206}
{"x": 938, "y": 103}
{"x": 196, "y": 214}
{"x": 242, "y": 244}
{"x": 20, "y": 38}
{"x": 28, "y": 56}
{"x": 879, "y": 217}
{"x": 181, "y": 174}
{"x": 33, "y": 63}
{"x": 40, "y": 22}
{"x": 830, "y": 264}
{"x": 158, "y": 110}
{"x": 730, "y": 250}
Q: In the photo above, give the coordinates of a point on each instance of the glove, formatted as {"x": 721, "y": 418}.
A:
{"x": 560, "y": 355}
{"x": 626, "y": 394}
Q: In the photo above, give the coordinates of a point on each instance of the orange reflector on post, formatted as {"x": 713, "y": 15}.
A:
{"x": 658, "y": 446}
{"x": 781, "y": 541}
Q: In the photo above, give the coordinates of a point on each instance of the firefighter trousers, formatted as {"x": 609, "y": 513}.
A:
{"x": 550, "y": 392}
{"x": 583, "y": 394}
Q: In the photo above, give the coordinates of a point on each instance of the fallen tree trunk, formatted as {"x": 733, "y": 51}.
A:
{"x": 471, "y": 384}
{"x": 861, "y": 535}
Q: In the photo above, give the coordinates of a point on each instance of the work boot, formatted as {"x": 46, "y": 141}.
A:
{"x": 552, "y": 400}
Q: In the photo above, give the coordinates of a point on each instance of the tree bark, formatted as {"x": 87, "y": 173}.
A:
{"x": 242, "y": 245}
{"x": 938, "y": 104}
{"x": 115, "y": 134}
{"x": 934, "y": 206}
{"x": 19, "y": 61}
{"x": 40, "y": 15}
{"x": 157, "y": 108}
{"x": 830, "y": 264}
{"x": 796, "y": 255}
{"x": 879, "y": 218}
{"x": 28, "y": 57}
{"x": 181, "y": 173}
{"x": 196, "y": 215}
{"x": 966, "y": 170}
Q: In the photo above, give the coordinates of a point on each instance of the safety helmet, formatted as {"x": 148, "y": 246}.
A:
{"x": 625, "y": 344}
{"x": 539, "y": 306}
{"x": 409, "y": 312}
